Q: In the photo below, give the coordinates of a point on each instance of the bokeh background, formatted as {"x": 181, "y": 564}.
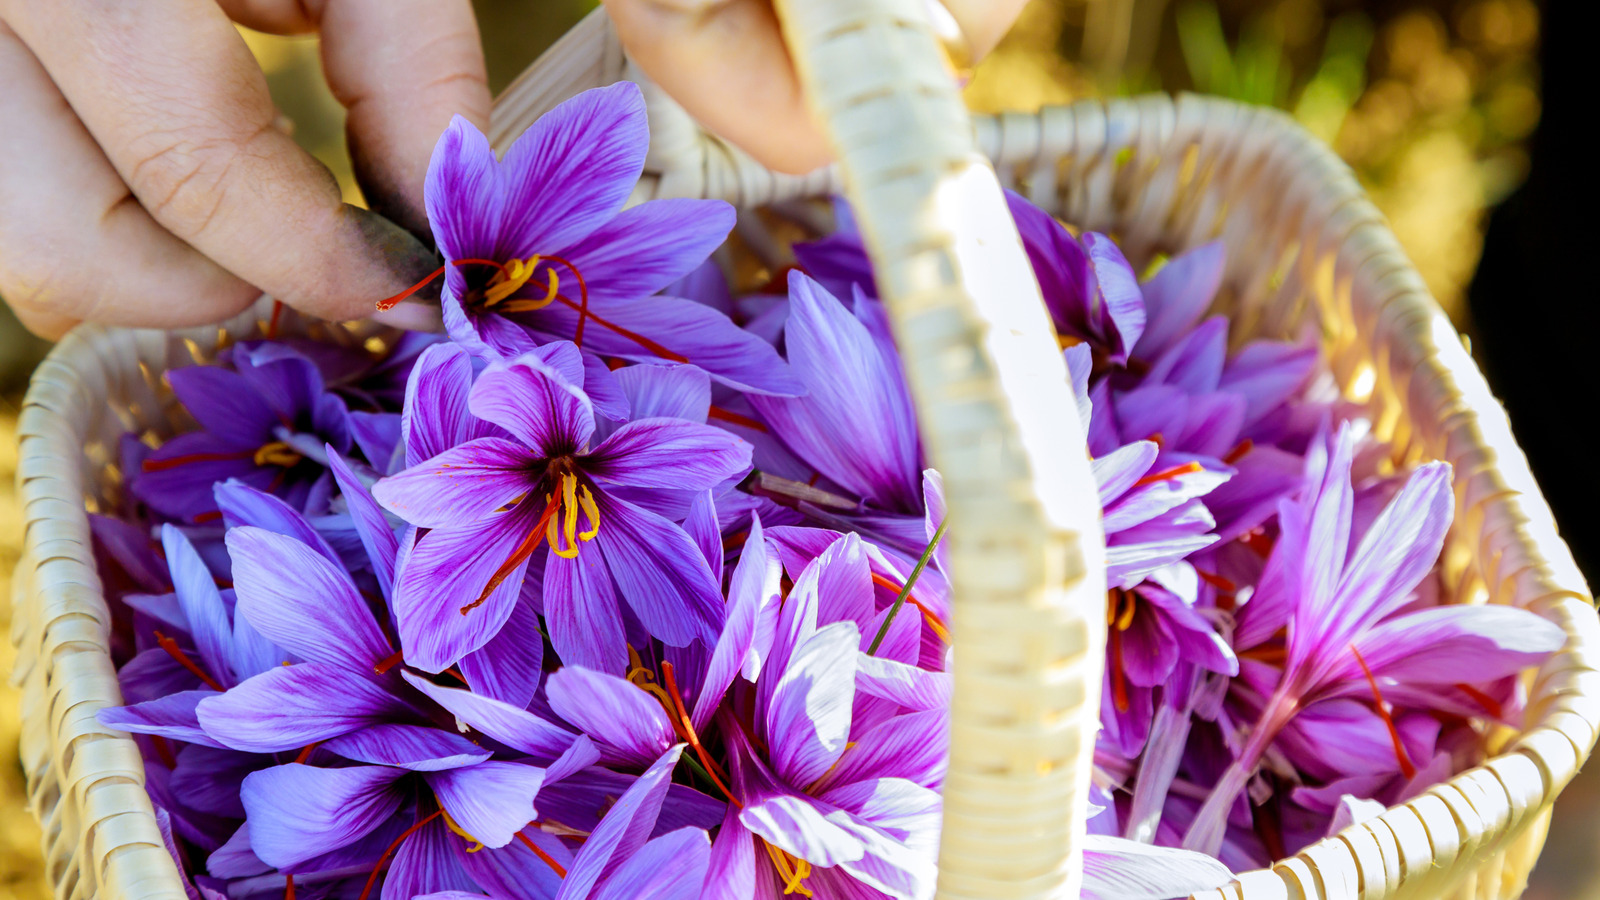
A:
{"x": 1459, "y": 116}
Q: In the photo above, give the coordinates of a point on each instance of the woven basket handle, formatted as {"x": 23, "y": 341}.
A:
{"x": 997, "y": 419}
{"x": 990, "y": 383}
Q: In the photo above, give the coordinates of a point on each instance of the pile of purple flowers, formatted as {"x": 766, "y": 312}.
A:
{"x": 633, "y": 589}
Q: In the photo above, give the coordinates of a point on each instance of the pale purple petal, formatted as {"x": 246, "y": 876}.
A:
{"x": 416, "y": 747}
{"x": 583, "y": 614}
{"x": 377, "y": 537}
{"x": 1456, "y": 644}
{"x": 671, "y": 867}
{"x": 1115, "y": 869}
{"x": 797, "y": 825}
{"x": 1178, "y": 295}
{"x": 491, "y": 801}
{"x": 625, "y": 828}
{"x": 808, "y": 719}
{"x": 647, "y": 247}
{"x": 290, "y": 706}
{"x": 660, "y": 572}
{"x": 428, "y": 863}
{"x": 225, "y": 403}
{"x": 298, "y": 600}
{"x": 201, "y": 603}
{"x": 534, "y": 401}
{"x": 461, "y": 485}
{"x": 516, "y": 728}
{"x": 670, "y": 454}
{"x": 629, "y": 722}
{"x": 172, "y": 716}
{"x": 297, "y": 812}
{"x": 666, "y": 391}
{"x": 242, "y": 504}
{"x": 446, "y": 572}
{"x": 509, "y": 666}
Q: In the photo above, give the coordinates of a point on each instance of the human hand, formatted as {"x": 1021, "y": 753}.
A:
{"x": 726, "y": 63}
{"x": 142, "y": 180}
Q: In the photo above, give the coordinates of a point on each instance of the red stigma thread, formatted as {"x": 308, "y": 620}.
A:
{"x": 1187, "y": 468}
{"x": 288, "y": 887}
{"x": 1406, "y": 767}
{"x": 391, "y": 302}
{"x": 556, "y": 867}
{"x": 1239, "y": 452}
{"x": 389, "y": 662}
{"x": 173, "y": 462}
{"x": 932, "y": 618}
{"x": 518, "y": 556}
{"x": 174, "y": 651}
{"x": 1489, "y": 704}
{"x": 685, "y": 728}
{"x": 725, "y": 415}
{"x": 373, "y": 878}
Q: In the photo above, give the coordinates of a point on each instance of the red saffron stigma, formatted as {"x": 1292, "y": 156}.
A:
{"x": 556, "y": 867}
{"x": 1489, "y": 704}
{"x": 164, "y": 751}
{"x": 1258, "y": 541}
{"x": 210, "y": 515}
{"x": 305, "y": 752}
{"x": 1119, "y": 684}
{"x": 1187, "y": 468}
{"x": 391, "y": 302}
{"x": 173, "y": 462}
{"x": 1239, "y": 451}
{"x": 735, "y": 540}
{"x": 389, "y": 662}
{"x": 1217, "y": 581}
{"x": 932, "y": 618}
{"x": 288, "y": 887}
{"x": 518, "y": 556}
{"x": 1159, "y": 439}
{"x": 726, "y": 415}
{"x": 272, "y": 333}
{"x": 174, "y": 651}
{"x": 371, "y": 879}
{"x": 686, "y": 729}
{"x": 1406, "y": 768}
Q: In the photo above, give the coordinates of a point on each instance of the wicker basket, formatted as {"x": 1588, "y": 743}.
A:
{"x": 1306, "y": 248}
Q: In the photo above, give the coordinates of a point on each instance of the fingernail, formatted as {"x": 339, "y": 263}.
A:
{"x": 396, "y": 249}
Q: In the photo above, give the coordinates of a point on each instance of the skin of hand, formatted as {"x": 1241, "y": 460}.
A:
{"x": 143, "y": 182}
{"x": 726, "y": 63}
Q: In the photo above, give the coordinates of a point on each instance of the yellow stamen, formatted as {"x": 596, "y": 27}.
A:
{"x": 592, "y": 510}
{"x": 451, "y": 824}
{"x": 512, "y": 278}
{"x": 277, "y": 453}
{"x": 1126, "y": 619}
{"x": 645, "y": 680}
{"x": 793, "y": 871}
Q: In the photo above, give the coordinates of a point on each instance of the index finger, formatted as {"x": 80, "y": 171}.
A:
{"x": 171, "y": 94}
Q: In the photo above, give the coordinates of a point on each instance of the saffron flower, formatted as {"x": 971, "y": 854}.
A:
{"x": 539, "y": 248}
{"x": 264, "y": 421}
{"x": 494, "y": 503}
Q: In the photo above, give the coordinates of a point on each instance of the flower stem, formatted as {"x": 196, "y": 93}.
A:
{"x": 900, "y": 600}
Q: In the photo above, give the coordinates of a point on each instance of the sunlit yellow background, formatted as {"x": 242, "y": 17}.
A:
{"x": 1431, "y": 101}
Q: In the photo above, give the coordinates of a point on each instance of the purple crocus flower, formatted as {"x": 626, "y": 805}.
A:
{"x": 1089, "y": 288}
{"x": 1341, "y": 593}
{"x": 538, "y": 247}
{"x": 263, "y": 421}
{"x": 493, "y": 503}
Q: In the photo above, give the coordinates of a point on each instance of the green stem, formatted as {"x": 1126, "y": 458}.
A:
{"x": 894, "y": 610}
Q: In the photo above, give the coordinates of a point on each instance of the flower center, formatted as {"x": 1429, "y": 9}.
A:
{"x": 561, "y": 516}
{"x": 792, "y": 869}
{"x": 511, "y": 278}
{"x": 277, "y": 453}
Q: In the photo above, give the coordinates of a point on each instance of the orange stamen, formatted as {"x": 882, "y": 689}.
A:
{"x": 556, "y": 867}
{"x": 389, "y": 662}
{"x": 1406, "y": 768}
{"x": 171, "y": 646}
{"x": 717, "y": 412}
{"x": 1187, "y": 468}
{"x": 390, "y": 302}
{"x": 1239, "y": 451}
{"x": 371, "y": 879}
{"x": 173, "y": 462}
{"x": 686, "y": 729}
{"x": 1489, "y": 704}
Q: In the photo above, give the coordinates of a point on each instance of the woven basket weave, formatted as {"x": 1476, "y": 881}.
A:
{"x": 1305, "y": 248}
